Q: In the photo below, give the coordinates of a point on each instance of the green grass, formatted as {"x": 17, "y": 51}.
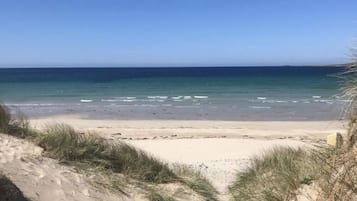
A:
{"x": 197, "y": 182}
{"x": 9, "y": 191}
{"x": 5, "y": 118}
{"x": 18, "y": 127}
{"x": 275, "y": 176}
{"x": 155, "y": 195}
{"x": 62, "y": 142}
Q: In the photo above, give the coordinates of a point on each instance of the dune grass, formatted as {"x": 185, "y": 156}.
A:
{"x": 9, "y": 191}
{"x": 197, "y": 182}
{"x": 18, "y": 127}
{"x": 155, "y": 195}
{"x": 64, "y": 143}
{"x": 338, "y": 180}
{"x": 275, "y": 176}
{"x": 5, "y": 118}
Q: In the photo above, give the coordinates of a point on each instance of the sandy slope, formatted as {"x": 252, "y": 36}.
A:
{"x": 43, "y": 179}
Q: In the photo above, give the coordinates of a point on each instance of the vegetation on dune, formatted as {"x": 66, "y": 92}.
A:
{"x": 276, "y": 175}
{"x": 63, "y": 142}
{"x": 5, "y": 118}
{"x": 350, "y": 92}
{"x": 339, "y": 181}
{"x": 280, "y": 173}
{"x": 91, "y": 152}
{"x": 197, "y": 182}
{"x": 154, "y": 195}
{"x": 338, "y": 178}
{"x": 9, "y": 191}
{"x": 18, "y": 127}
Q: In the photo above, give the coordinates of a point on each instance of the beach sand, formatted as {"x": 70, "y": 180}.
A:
{"x": 216, "y": 148}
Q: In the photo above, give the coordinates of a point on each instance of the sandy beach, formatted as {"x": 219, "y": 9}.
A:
{"x": 216, "y": 148}
{"x": 177, "y": 129}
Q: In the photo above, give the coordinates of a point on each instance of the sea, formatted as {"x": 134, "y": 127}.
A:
{"x": 282, "y": 93}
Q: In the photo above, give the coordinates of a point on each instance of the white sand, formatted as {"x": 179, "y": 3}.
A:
{"x": 154, "y": 129}
{"x": 218, "y": 159}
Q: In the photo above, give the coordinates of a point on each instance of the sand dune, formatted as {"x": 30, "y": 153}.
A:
{"x": 44, "y": 179}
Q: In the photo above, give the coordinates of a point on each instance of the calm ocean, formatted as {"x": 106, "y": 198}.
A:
{"x": 215, "y": 93}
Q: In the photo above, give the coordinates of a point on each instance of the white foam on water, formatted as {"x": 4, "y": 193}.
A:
{"x": 260, "y": 107}
{"x": 110, "y": 100}
{"x": 274, "y": 101}
{"x": 187, "y": 106}
{"x": 280, "y": 101}
{"x": 157, "y": 97}
{"x": 316, "y": 97}
{"x": 187, "y": 97}
{"x": 200, "y": 97}
{"x": 261, "y": 98}
{"x": 33, "y": 104}
{"x": 86, "y": 101}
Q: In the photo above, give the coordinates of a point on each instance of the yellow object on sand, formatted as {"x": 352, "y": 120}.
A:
{"x": 335, "y": 140}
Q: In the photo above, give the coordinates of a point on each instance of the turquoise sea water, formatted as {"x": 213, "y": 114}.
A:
{"x": 216, "y": 93}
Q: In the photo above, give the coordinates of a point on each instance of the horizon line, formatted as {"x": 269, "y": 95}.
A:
{"x": 188, "y": 66}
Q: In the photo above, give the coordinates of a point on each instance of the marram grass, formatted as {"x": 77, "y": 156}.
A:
{"x": 5, "y": 118}
{"x": 197, "y": 182}
{"x": 274, "y": 176}
{"x": 64, "y": 143}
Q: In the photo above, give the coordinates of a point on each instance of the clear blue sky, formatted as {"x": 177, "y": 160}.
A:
{"x": 175, "y": 32}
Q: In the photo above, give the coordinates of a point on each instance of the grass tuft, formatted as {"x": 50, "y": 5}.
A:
{"x": 274, "y": 176}
{"x": 197, "y": 182}
{"x": 338, "y": 181}
{"x": 63, "y": 142}
{"x": 5, "y": 118}
{"x": 18, "y": 127}
{"x": 155, "y": 195}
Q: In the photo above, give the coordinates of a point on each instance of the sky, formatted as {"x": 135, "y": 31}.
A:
{"x": 126, "y": 33}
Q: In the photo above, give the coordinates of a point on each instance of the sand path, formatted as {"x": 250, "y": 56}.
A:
{"x": 218, "y": 159}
